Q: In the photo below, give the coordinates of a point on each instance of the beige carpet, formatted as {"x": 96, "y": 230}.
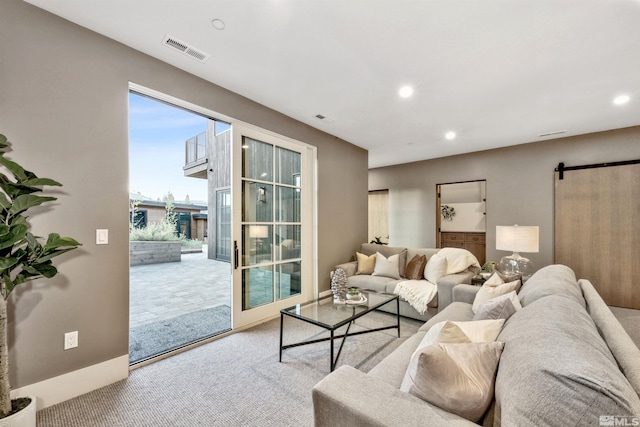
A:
{"x": 237, "y": 380}
{"x": 234, "y": 381}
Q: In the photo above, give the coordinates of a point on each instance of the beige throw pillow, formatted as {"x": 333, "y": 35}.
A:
{"x": 415, "y": 268}
{"x": 476, "y": 331}
{"x": 436, "y": 268}
{"x": 366, "y": 263}
{"x": 387, "y": 267}
{"x": 458, "y": 259}
{"x": 458, "y": 378}
{"x": 489, "y": 291}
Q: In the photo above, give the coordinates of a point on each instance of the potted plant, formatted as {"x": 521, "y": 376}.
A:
{"x": 22, "y": 258}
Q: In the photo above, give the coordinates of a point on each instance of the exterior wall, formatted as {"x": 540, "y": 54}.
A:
{"x": 520, "y": 186}
{"x": 154, "y": 252}
{"x": 64, "y": 104}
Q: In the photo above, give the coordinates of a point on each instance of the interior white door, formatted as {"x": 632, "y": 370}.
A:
{"x": 273, "y": 197}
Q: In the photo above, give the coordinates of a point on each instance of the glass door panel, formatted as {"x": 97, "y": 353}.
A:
{"x": 271, "y": 232}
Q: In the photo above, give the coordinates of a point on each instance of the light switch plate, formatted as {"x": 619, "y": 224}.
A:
{"x": 102, "y": 237}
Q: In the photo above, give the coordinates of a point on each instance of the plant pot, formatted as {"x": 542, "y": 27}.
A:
{"x": 24, "y": 418}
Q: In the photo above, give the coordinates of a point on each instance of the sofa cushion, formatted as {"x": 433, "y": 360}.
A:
{"x": 457, "y": 311}
{"x": 387, "y": 267}
{"x": 458, "y": 259}
{"x": 557, "y": 370}
{"x": 415, "y": 267}
{"x": 458, "y": 378}
{"x": 393, "y": 367}
{"x": 366, "y": 263}
{"x": 551, "y": 280}
{"x": 374, "y": 283}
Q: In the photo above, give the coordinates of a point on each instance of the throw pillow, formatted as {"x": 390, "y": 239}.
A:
{"x": 366, "y": 263}
{"x": 415, "y": 268}
{"x": 458, "y": 378}
{"x": 387, "y": 267}
{"x": 475, "y": 330}
{"x": 458, "y": 259}
{"x": 488, "y": 291}
{"x": 501, "y": 307}
{"x": 436, "y": 268}
{"x": 494, "y": 280}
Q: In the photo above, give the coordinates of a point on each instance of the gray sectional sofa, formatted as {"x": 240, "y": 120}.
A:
{"x": 566, "y": 362}
{"x": 385, "y": 284}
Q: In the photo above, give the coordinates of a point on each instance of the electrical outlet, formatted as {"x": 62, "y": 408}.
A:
{"x": 70, "y": 340}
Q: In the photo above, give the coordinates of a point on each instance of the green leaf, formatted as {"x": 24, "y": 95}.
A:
{"x": 15, "y": 234}
{"x": 3, "y": 142}
{"x": 6, "y": 263}
{"x": 14, "y": 168}
{"x": 4, "y": 202}
{"x": 46, "y": 269}
{"x": 27, "y": 201}
{"x": 54, "y": 241}
{"x": 38, "y": 182}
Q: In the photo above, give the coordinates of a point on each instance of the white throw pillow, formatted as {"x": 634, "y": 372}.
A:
{"x": 475, "y": 330}
{"x": 387, "y": 267}
{"x": 458, "y": 378}
{"x": 494, "y": 280}
{"x": 435, "y": 269}
{"x": 489, "y": 291}
{"x": 458, "y": 259}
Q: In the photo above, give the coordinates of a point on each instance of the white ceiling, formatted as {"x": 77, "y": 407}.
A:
{"x": 497, "y": 72}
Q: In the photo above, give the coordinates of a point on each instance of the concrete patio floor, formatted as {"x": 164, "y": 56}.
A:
{"x": 167, "y": 290}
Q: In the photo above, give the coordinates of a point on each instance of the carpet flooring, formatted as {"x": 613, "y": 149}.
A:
{"x": 152, "y": 339}
{"x": 234, "y": 381}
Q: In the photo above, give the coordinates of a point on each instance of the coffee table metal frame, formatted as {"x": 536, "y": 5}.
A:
{"x": 357, "y": 313}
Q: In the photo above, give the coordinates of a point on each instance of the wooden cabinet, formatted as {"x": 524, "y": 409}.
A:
{"x": 473, "y": 242}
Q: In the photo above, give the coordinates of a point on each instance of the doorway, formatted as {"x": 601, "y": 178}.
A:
{"x": 461, "y": 217}
{"x": 179, "y": 292}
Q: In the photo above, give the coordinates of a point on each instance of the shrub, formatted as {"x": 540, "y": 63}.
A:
{"x": 155, "y": 231}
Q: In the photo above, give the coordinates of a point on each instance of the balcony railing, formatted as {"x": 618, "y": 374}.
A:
{"x": 196, "y": 149}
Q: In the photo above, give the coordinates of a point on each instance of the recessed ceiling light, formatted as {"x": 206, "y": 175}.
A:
{"x": 405, "y": 91}
{"x": 218, "y": 24}
{"x": 622, "y": 99}
{"x": 450, "y": 135}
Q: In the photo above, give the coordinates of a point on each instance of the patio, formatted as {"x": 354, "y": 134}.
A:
{"x": 160, "y": 292}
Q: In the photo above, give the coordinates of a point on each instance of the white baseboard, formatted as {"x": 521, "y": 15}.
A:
{"x": 67, "y": 386}
{"x": 324, "y": 293}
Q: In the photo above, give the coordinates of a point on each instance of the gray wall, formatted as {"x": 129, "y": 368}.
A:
{"x": 520, "y": 186}
{"x": 63, "y": 104}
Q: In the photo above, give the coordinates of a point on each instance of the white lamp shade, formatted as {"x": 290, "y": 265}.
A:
{"x": 517, "y": 238}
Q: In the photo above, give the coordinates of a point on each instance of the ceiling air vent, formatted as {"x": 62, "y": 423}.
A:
{"x": 555, "y": 132}
{"x": 185, "y": 48}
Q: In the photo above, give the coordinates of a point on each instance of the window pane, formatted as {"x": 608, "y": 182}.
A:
{"x": 257, "y": 202}
{"x": 287, "y": 204}
{"x": 256, "y": 244}
{"x": 287, "y": 167}
{"x": 257, "y": 286}
{"x": 288, "y": 280}
{"x": 257, "y": 160}
{"x": 287, "y": 242}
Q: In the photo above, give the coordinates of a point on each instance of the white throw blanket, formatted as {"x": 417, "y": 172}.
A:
{"x": 418, "y": 293}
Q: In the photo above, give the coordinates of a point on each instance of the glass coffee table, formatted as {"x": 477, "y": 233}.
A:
{"x": 324, "y": 313}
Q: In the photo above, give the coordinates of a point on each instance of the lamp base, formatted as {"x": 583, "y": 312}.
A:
{"x": 516, "y": 265}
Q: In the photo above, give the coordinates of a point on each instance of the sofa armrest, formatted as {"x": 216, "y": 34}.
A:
{"x": 446, "y": 285}
{"x": 348, "y": 397}
{"x": 465, "y": 293}
{"x": 349, "y": 267}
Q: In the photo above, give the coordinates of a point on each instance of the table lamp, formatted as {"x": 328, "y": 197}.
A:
{"x": 517, "y": 239}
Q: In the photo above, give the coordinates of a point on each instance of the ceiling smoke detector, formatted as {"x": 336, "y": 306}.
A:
{"x": 185, "y": 48}
{"x": 324, "y": 118}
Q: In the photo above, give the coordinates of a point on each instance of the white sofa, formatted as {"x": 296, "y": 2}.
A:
{"x": 462, "y": 266}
